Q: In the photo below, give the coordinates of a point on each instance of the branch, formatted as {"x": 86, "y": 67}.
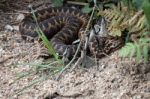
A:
{"x": 79, "y": 61}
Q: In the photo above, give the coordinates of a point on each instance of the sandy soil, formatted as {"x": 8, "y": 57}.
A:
{"x": 115, "y": 78}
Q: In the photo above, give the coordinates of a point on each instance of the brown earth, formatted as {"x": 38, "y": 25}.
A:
{"x": 115, "y": 78}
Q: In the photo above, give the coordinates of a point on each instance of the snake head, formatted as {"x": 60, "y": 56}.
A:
{"x": 100, "y": 28}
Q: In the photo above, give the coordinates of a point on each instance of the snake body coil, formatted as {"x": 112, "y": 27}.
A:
{"x": 61, "y": 25}
{"x": 64, "y": 25}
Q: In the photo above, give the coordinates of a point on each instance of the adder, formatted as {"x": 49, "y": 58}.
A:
{"x": 63, "y": 25}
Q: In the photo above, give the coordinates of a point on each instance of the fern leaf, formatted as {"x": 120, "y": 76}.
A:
{"x": 133, "y": 51}
{"x": 138, "y": 53}
{"x": 145, "y": 53}
{"x": 127, "y": 50}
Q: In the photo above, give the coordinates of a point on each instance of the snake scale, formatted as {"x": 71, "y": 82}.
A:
{"x": 62, "y": 26}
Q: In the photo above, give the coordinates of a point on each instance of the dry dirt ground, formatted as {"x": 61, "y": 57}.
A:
{"x": 115, "y": 78}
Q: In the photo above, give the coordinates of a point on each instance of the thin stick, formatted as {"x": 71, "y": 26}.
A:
{"x": 77, "y": 3}
{"x": 83, "y": 53}
{"x": 68, "y": 65}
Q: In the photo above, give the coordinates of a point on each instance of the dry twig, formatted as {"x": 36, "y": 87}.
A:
{"x": 83, "y": 53}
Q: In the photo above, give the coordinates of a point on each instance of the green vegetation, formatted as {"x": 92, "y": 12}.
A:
{"x": 140, "y": 48}
{"x": 57, "y": 3}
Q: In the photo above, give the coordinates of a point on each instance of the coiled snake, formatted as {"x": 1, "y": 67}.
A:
{"x": 64, "y": 25}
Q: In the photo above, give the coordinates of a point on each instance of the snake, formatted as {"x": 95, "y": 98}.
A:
{"x": 62, "y": 26}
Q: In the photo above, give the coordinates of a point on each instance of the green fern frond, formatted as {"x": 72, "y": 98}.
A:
{"x": 127, "y": 50}
{"x": 138, "y": 52}
{"x": 138, "y": 49}
{"x": 145, "y": 53}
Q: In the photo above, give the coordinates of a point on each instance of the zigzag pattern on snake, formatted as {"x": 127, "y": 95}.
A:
{"x": 66, "y": 22}
{"x": 63, "y": 26}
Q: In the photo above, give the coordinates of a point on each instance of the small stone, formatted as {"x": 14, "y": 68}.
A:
{"x": 20, "y": 17}
{"x": 137, "y": 97}
{"x": 9, "y": 28}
